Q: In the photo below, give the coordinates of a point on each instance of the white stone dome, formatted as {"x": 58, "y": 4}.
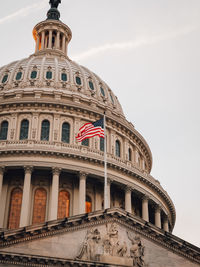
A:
{"x": 68, "y": 78}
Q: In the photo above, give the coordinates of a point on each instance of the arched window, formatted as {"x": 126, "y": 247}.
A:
{"x": 63, "y": 204}
{"x": 129, "y": 154}
{"x": 39, "y": 207}
{"x": 101, "y": 143}
{"x": 88, "y": 204}
{"x": 15, "y": 208}
{"x": 4, "y": 130}
{"x": 65, "y": 132}
{"x": 45, "y": 130}
{"x": 24, "y": 130}
{"x": 85, "y": 142}
{"x": 117, "y": 148}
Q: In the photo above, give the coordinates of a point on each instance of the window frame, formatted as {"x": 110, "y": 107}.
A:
{"x": 69, "y": 128}
{"x": 1, "y": 133}
{"x": 27, "y": 129}
{"x": 49, "y": 125}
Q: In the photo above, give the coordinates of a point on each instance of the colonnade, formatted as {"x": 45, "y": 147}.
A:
{"x": 53, "y": 211}
{"x": 45, "y": 40}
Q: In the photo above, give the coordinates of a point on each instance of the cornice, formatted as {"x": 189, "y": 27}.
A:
{"x": 74, "y": 223}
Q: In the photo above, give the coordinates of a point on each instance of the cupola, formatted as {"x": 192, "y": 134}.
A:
{"x": 52, "y": 35}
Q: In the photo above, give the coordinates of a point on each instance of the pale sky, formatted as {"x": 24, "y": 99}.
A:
{"x": 148, "y": 51}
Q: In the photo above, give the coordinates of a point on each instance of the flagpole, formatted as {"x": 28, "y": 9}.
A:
{"x": 105, "y": 166}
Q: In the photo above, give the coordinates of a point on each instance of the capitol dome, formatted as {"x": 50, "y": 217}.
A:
{"x": 45, "y": 174}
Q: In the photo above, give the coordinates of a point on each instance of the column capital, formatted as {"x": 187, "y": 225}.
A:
{"x": 145, "y": 197}
{"x": 158, "y": 208}
{"x": 109, "y": 181}
{"x": 56, "y": 171}
{"x": 28, "y": 169}
{"x": 166, "y": 217}
{"x": 128, "y": 189}
{"x": 83, "y": 175}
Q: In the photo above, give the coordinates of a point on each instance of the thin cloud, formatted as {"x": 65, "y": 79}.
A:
{"x": 141, "y": 41}
{"x": 25, "y": 11}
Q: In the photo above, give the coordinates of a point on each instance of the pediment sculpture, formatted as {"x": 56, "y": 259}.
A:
{"x": 110, "y": 247}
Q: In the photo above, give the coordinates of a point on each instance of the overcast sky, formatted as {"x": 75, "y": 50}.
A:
{"x": 148, "y": 51}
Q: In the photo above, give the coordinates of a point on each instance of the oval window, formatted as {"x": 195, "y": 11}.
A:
{"x": 33, "y": 74}
{"x": 102, "y": 91}
{"x": 91, "y": 85}
{"x": 5, "y": 78}
{"x": 64, "y": 77}
{"x": 49, "y": 75}
{"x": 78, "y": 80}
{"x": 19, "y": 76}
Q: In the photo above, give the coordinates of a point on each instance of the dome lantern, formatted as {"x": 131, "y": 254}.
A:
{"x": 52, "y": 35}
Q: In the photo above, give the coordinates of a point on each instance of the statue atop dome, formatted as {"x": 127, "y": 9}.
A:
{"x": 54, "y": 3}
{"x": 53, "y": 12}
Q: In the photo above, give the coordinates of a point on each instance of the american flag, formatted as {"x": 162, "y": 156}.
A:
{"x": 89, "y": 130}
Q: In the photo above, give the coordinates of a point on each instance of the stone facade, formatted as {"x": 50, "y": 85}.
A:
{"x": 52, "y": 187}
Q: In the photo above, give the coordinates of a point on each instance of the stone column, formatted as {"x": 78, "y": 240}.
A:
{"x": 42, "y": 41}
{"x": 37, "y": 43}
{"x": 1, "y": 179}
{"x": 128, "y": 206}
{"x": 50, "y": 39}
{"x": 82, "y": 191}
{"x": 157, "y": 216}
{"x": 54, "y": 194}
{"x": 145, "y": 209}
{"x": 63, "y": 43}
{"x": 24, "y": 217}
{"x": 58, "y": 40}
{"x": 166, "y": 224}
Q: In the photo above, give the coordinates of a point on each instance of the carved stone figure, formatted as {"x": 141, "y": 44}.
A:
{"x": 89, "y": 250}
{"x": 136, "y": 251}
{"x": 110, "y": 241}
{"x": 122, "y": 250}
{"x": 54, "y": 3}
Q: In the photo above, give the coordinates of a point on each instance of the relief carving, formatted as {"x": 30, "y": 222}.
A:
{"x": 89, "y": 250}
{"x": 136, "y": 250}
{"x": 108, "y": 247}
